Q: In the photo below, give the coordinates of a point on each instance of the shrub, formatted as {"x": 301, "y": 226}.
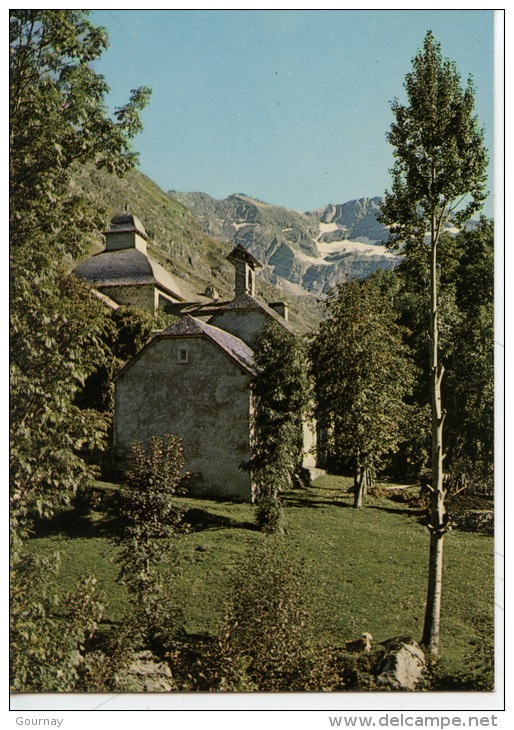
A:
{"x": 149, "y": 519}
{"x": 146, "y": 508}
{"x": 266, "y": 642}
{"x": 49, "y": 629}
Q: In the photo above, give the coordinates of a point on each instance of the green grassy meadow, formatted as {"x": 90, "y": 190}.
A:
{"x": 364, "y": 570}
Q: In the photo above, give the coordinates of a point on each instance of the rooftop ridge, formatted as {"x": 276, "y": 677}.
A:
{"x": 246, "y": 301}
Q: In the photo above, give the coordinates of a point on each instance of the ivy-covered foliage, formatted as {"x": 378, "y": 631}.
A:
{"x": 282, "y": 392}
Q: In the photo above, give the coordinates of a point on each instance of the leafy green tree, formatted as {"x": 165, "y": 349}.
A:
{"x": 282, "y": 395}
{"x": 57, "y": 119}
{"x": 49, "y": 365}
{"x": 438, "y": 176}
{"x": 57, "y": 110}
{"x": 470, "y": 378}
{"x": 363, "y": 374}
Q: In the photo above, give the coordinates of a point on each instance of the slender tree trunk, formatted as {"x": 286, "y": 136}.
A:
{"x": 356, "y": 473}
{"x": 361, "y": 486}
{"x": 437, "y": 520}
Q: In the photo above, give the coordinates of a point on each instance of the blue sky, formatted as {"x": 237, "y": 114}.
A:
{"x": 289, "y": 106}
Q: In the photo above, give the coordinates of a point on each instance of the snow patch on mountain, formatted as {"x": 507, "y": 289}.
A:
{"x": 311, "y": 260}
{"x": 237, "y": 226}
{"x": 327, "y": 228}
{"x": 347, "y": 246}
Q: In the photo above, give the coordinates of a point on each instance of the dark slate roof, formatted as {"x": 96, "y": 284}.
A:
{"x": 246, "y": 302}
{"x": 189, "y": 327}
{"x": 126, "y": 267}
{"x": 125, "y": 222}
{"x": 243, "y": 301}
{"x": 240, "y": 253}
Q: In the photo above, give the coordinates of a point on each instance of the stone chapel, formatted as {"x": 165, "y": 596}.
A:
{"x": 192, "y": 379}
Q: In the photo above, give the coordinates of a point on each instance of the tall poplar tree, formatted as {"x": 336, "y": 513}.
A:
{"x": 438, "y": 176}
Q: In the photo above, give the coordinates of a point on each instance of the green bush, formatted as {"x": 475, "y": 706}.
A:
{"x": 266, "y": 643}
{"x": 146, "y": 508}
{"x": 149, "y": 519}
{"x": 49, "y": 629}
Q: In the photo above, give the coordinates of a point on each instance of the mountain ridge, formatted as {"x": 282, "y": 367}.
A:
{"x": 313, "y": 250}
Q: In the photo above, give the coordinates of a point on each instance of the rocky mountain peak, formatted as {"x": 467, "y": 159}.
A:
{"x": 310, "y": 251}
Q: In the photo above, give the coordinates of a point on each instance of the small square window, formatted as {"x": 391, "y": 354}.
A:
{"x": 182, "y": 354}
